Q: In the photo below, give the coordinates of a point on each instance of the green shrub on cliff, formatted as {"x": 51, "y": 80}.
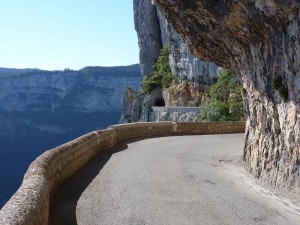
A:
{"x": 236, "y": 105}
{"x": 162, "y": 76}
{"x": 215, "y": 110}
{"x": 278, "y": 84}
{"x": 226, "y": 101}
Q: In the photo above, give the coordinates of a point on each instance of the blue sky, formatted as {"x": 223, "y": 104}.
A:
{"x": 58, "y": 34}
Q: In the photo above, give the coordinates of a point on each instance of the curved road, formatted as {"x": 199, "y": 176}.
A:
{"x": 171, "y": 180}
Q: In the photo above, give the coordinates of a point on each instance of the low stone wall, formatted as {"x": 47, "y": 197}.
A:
{"x": 30, "y": 204}
{"x": 148, "y": 129}
{"x": 210, "y": 128}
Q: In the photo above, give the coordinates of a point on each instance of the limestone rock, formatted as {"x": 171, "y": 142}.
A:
{"x": 259, "y": 40}
{"x": 151, "y": 100}
{"x": 154, "y": 32}
{"x": 148, "y": 31}
{"x": 183, "y": 63}
{"x": 137, "y": 108}
{"x": 81, "y": 92}
{"x": 62, "y": 93}
{"x": 127, "y": 105}
{"x": 186, "y": 94}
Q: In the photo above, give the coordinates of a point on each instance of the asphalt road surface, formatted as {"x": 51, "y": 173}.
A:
{"x": 171, "y": 180}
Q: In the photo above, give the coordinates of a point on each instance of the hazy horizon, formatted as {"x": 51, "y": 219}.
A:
{"x": 24, "y": 68}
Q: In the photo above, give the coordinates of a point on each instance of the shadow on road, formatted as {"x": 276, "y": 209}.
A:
{"x": 65, "y": 197}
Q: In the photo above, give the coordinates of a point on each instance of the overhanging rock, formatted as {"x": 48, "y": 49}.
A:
{"x": 259, "y": 40}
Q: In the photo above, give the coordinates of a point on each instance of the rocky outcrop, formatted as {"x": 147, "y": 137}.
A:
{"x": 259, "y": 40}
{"x": 183, "y": 63}
{"x": 127, "y": 105}
{"x": 148, "y": 30}
{"x": 137, "y": 107}
{"x": 155, "y": 98}
{"x": 154, "y": 32}
{"x": 186, "y": 94}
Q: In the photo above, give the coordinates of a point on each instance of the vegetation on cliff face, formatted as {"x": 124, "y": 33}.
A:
{"x": 226, "y": 101}
{"x": 278, "y": 84}
{"x": 162, "y": 76}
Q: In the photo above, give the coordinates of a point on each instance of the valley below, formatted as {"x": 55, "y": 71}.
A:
{"x": 40, "y": 110}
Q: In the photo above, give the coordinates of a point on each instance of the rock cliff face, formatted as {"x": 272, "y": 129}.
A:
{"x": 46, "y": 93}
{"x": 127, "y": 105}
{"x": 148, "y": 30}
{"x": 54, "y": 91}
{"x": 154, "y": 32}
{"x": 183, "y": 63}
{"x": 258, "y": 39}
{"x": 186, "y": 94}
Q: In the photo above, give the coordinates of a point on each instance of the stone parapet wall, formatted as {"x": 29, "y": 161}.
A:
{"x": 210, "y": 128}
{"x": 147, "y": 129}
{"x": 30, "y": 204}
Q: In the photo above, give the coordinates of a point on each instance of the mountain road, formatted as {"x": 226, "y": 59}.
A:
{"x": 171, "y": 180}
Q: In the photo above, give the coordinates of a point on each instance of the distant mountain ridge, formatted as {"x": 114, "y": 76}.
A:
{"x": 15, "y": 71}
{"x": 43, "y": 109}
{"x": 90, "y": 89}
{"x": 131, "y": 70}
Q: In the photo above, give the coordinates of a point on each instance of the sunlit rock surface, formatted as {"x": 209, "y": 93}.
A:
{"x": 154, "y": 32}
